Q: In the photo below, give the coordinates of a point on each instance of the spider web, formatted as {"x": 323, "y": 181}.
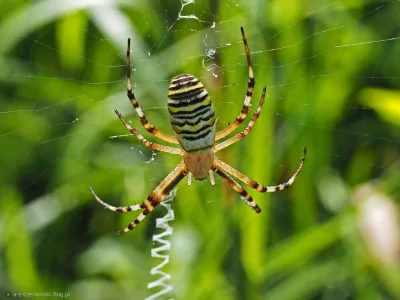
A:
{"x": 59, "y": 133}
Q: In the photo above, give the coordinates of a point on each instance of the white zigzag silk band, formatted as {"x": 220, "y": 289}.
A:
{"x": 165, "y": 245}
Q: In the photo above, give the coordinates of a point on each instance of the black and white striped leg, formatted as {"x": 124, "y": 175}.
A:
{"x": 236, "y": 186}
{"x": 120, "y": 209}
{"x": 244, "y": 133}
{"x": 253, "y": 184}
{"x": 150, "y": 128}
{"x": 145, "y": 142}
{"x": 247, "y": 100}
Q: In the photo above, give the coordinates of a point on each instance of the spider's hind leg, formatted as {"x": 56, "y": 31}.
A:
{"x": 121, "y": 209}
{"x": 253, "y": 184}
{"x": 158, "y": 195}
{"x": 236, "y": 186}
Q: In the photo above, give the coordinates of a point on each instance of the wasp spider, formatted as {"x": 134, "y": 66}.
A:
{"x": 193, "y": 120}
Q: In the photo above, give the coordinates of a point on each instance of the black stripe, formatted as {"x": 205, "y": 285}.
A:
{"x": 202, "y": 148}
{"x": 252, "y": 83}
{"x": 151, "y": 129}
{"x": 198, "y": 110}
{"x": 131, "y": 96}
{"x": 219, "y": 172}
{"x": 186, "y": 94}
{"x": 185, "y": 122}
{"x": 187, "y": 102}
{"x": 244, "y": 193}
{"x": 245, "y": 109}
{"x": 194, "y": 138}
{"x": 170, "y": 187}
{"x": 179, "y": 86}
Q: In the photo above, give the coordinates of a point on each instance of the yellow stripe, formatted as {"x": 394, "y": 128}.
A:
{"x": 184, "y": 89}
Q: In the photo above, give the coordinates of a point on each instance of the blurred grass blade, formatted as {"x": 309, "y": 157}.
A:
{"x": 296, "y": 251}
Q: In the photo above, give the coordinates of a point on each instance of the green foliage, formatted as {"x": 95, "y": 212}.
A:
{"x": 332, "y": 72}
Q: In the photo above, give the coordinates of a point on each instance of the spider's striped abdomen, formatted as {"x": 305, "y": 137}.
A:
{"x": 191, "y": 113}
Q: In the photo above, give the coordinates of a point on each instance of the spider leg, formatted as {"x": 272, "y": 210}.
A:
{"x": 150, "y": 128}
{"x": 253, "y": 184}
{"x": 145, "y": 142}
{"x": 250, "y": 88}
{"x": 212, "y": 180}
{"x": 236, "y": 186}
{"x": 121, "y": 209}
{"x": 245, "y": 132}
{"x": 158, "y": 194}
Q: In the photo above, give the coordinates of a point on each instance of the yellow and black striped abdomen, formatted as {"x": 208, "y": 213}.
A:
{"x": 191, "y": 113}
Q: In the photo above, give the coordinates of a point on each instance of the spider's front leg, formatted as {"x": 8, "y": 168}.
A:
{"x": 236, "y": 138}
{"x": 150, "y": 128}
{"x": 247, "y": 100}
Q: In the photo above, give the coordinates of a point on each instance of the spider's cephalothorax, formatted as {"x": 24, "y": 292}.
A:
{"x": 191, "y": 113}
{"x": 193, "y": 121}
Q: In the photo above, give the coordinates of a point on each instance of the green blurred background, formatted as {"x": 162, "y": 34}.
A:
{"x": 333, "y": 74}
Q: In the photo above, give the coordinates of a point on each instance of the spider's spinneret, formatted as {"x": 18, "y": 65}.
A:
{"x": 191, "y": 113}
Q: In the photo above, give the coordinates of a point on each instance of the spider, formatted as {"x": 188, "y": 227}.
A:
{"x": 193, "y": 120}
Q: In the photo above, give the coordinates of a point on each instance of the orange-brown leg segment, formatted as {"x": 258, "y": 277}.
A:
{"x": 158, "y": 195}
{"x": 250, "y": 182}
{"x": 247, "y": 100}
{"x": 150, "y": 128}
{"x": 236, "y": 186}
{"x": 145, "y": 142}
{"x": 245, "y": 132}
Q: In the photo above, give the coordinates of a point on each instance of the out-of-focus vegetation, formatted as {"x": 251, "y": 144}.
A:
{"x": 333, "y": 74}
